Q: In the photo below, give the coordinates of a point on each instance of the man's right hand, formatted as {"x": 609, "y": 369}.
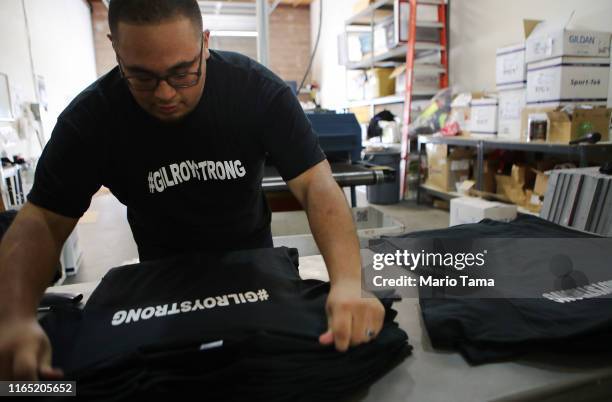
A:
{"x": 25, "y": 351}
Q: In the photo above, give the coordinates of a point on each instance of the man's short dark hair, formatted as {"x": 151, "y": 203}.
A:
{"x": 152, "y": 12}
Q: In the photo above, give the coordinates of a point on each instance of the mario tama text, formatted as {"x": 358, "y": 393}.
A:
{"x": 428, "y": 280}
{"x": 435, "y": 263}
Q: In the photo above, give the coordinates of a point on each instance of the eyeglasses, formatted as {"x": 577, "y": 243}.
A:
{"x": 149, "y": 82}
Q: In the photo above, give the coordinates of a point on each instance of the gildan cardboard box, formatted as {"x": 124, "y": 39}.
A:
{"x": 472, "y": 210}
{"x": 447, "y": 168}
{"x": 568, "y": 80}
{"x": 512, "y": 100}
{"x": 510, "y": 67}
{"x": 549, "y": 39}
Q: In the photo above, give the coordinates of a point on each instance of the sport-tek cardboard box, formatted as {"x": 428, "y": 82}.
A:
{"x": 563, "y": 128}
{"x": 483, "y": 117}
{"x": 549, "y": 39}
{"x": 568, "y": 80}
{"x": 447, "y": 168}
{"x": 379, "y": 83}
{"x": 510, "y": 67}
{"x": 472, "y": 210}
{"x": 511, "y": 100}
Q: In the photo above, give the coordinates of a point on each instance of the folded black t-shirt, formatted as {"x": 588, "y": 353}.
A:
{"x": 486, "y": 329}
{"x": 238, "y": 325}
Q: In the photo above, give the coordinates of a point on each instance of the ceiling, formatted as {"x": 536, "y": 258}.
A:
{"x": 293, "y": 3}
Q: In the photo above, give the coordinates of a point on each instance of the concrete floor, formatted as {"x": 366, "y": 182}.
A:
{"x": 106, "y": 241}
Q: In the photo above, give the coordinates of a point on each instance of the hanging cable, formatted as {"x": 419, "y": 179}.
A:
{"x": 314, "y": 51}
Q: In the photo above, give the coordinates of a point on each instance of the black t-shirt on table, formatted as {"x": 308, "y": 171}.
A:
{"x": 190, "y": 185}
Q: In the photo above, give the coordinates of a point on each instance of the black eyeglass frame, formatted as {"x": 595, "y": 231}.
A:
{"x": 168, "y": 77}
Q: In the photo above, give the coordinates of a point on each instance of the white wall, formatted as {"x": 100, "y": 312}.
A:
{"x": 478, "y": 27}
{"x": 15, "y": 59}
{"x": 325, "y": 69}
{"x": 60, "y": 33}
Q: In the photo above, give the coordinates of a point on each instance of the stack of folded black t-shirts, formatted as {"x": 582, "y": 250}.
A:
{"x": 486, "y": 328}
{"x": 235, "y": 326}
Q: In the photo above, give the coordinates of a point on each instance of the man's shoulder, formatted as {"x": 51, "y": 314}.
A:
{"x": 97, "y": 99}
{"x": 240, "y": 65}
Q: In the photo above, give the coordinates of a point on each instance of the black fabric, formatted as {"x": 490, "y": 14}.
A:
{"x": 488, "y": 330}
{"x": 270, "y": 347}
{"x": 189, "y": 185}
{"x": 6, "y": 218}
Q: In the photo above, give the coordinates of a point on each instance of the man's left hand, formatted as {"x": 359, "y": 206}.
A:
{"x": 351, "y": 318}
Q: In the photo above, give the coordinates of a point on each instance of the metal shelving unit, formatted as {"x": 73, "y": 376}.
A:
{"x": 397, "y": 56}
{"x": 582, "y": 152}
{"x": 416, "y": 54}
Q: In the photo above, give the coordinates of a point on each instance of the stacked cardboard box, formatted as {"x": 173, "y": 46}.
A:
{"x": 472, "y": 210}
{"x": 566, "y": 66}
{"x": 447, "y": 168}
{"x": 511, "y": 79}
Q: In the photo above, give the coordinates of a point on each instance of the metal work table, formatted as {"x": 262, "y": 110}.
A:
{"x": 433, "y": 376}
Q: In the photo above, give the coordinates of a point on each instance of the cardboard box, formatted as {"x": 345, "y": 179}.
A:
{"x": 483, "y": 116}
{"x": 423, "y": 82}
{"x": 541, "y": 183}
{"x": 361, "y": 5}
{"x": 461, "y": 110}
{"x": 562, "y": 128}
{"x": 465, "y": 210}
{"x": 379, "y": 83}
{"x": 522, "y": 175}
{"x": 355, "y": 84}
{"x": 510, "y": 65}
{"x": 568, "y": 80}
{"x": 488, "y": 175}
{"x": 545, "y": 40}
{"x": 380, "y": 40}
{"x": 533, "y": 202}
{"x": 507, "y": 187}
{"x": 512, "y": 100}
{"x": 447, "y": 168}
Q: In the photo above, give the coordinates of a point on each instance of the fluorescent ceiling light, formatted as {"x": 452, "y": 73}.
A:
{"x": 248, "y": 34}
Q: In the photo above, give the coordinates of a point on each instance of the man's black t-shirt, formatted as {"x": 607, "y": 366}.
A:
{"x": 190, "y": 185}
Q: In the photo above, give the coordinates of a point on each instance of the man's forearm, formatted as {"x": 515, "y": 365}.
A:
{"x": 29, "y": 254}
{"x": 332, "y": 225}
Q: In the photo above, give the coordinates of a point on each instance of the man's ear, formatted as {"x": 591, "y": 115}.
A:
{"x": 110, "y": 38}
{"x": 206, "y": 38}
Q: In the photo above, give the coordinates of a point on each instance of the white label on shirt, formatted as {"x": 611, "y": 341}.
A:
{"x": 211, "y": 345}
